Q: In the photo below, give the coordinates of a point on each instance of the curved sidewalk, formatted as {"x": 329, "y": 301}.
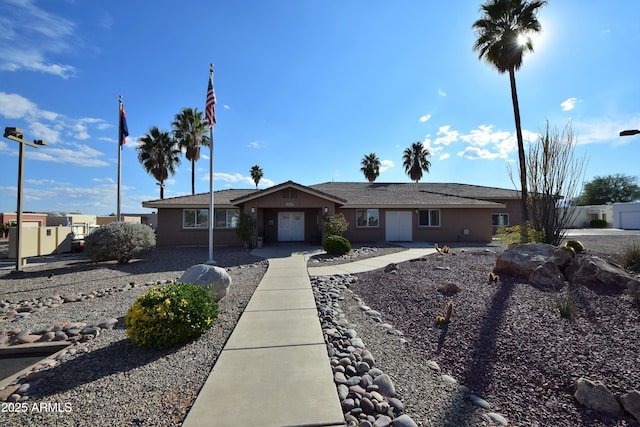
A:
{"x": 274, "y": 370}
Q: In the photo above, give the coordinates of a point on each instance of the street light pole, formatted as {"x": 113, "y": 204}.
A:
{"x": 629, "y": 132}
{"x": 16, "y": 134}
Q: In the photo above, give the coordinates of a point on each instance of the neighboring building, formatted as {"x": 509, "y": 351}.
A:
{"x": 626, "y": 215}
{"x": 583, "y": 215}
{"x": 28, "y": 219}
{"x": 376, "y": 212}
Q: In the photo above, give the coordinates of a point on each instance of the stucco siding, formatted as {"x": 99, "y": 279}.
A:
{"x": 171, "y": 233}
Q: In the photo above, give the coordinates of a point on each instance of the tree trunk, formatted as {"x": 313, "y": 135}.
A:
{"x": 521, "y": 156}
{"x": 193, "y": 177}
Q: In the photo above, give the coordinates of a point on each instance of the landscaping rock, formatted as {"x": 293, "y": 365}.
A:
{"x": 631, "y": 403}
{"x": 547, "y": 277}
{"x": 595, "y": 395}
{"x": 214, "y": 279}
{"x": 522, "y": 260}
{"x": 592, "y": 270}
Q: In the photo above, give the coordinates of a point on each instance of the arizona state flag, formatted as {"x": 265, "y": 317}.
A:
{"x": 124, "y": 130}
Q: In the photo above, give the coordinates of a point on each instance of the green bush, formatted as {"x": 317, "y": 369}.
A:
{"x": 598, "y": 223}
{"x": 170, "y": 315}
{"x": 336, "y": 245}
{"x": 121, "y": 241}
{"x": 335, "y": 225}
{"x": 631, "y": 256}
{"x": 245, "y": 228}
{"x": 513, "y": 234}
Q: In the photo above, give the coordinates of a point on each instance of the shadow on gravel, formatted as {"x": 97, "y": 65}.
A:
{"x": 479, "y": 373}
{"x": 118, "y": 357}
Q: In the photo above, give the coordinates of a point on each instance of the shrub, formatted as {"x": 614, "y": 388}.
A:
{"x": 336, "y": 245}
{"x": 121, "y": 241}
{"x": 576, "y": 245}
{"x": 598, "y": 223}
{"x": 170, "y": 315}
{"x": 565, "y": 303}
{"x": 245, "y": 228}
{"x": 513, "y": 235}
{"x": 335, "y": 225}
{"x": 631, "y": 256}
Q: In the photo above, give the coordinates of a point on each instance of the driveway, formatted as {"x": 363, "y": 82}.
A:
{"x": 601, "y": 232}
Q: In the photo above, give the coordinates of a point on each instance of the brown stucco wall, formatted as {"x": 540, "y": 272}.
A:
{"x": 171, "y": 233}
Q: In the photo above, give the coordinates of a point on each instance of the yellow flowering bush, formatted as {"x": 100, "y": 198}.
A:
{"x": 170, "y": 315}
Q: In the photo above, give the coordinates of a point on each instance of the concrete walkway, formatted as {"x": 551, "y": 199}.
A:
{"x": 274, "y": 369}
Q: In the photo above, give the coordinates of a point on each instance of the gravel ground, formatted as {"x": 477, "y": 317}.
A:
{"x": 114, "y": 382}
{"x": 507, "y": 342}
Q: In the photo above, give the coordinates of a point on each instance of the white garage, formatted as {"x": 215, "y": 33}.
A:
{"x": 626, "y": 216}
{"x": 398, "y": 226}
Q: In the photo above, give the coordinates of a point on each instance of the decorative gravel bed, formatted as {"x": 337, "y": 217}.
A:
{"x": 506, "y": 343}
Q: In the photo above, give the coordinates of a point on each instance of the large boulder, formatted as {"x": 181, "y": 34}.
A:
{"x": 592, "y": 270}
{"x": 631, "y": 403}
{"x": 522, "y": 260}
{"x": 214, "y": 279}
{"x": 595, "y": 395}
{"x": 547, "y": 277}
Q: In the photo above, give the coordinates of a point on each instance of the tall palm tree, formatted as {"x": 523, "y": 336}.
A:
{"x": 159, "y": 155}
{"x": 503, "y": 38}
{"x": 190, "y": 133}
{"x": 415, "y": 161}
{"x": 256, "y": 174}
{"x": 370, "y": 166}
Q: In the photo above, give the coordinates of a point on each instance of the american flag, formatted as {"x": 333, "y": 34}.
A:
{"x": 210, "y": 109}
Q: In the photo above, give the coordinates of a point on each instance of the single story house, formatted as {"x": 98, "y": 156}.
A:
{"x": 376, "y": 212}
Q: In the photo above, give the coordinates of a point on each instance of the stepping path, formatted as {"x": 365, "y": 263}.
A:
{"x": 274, "y": 369}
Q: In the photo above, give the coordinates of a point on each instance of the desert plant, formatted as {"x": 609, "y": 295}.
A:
{"x": 336, "y": 245}
{"x": 335, "y": 225}
{"x": 576, "y": 245}
{"x": 631, "y": 256}
{"x": 566, "y": 304}
{"x": 515, "y": 233}
{"x": 170, "y": 315}
{"x": 441, "y": 320}
{"x": 121, "y": 241}
{"x": 245, "y": 228}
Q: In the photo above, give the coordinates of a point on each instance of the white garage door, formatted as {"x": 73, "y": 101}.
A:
{"x": 398, "y": 226}
{"x": 630, "y": 220}
{"x": 290, "y": 226}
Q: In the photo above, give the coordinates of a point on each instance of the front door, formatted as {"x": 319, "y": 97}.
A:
{"x": 290, "y": 226}
{"x": 398, "y": 226}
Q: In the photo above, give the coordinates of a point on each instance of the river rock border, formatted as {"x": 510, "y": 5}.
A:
{"x": 366, "y": 393}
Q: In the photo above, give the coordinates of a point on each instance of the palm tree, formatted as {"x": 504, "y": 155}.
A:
{"x": 370, "y": 167}
{"x": 415, "y": 161}
{"x": 503, "y": 38}
{"x": 190, "y": 133}
{"x": 256, "y": 174}
{"x": 159, "y": 155}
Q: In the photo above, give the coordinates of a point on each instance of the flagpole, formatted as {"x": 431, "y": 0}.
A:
{"x": 119, "y": 156}
{"x": 210, "y": 112}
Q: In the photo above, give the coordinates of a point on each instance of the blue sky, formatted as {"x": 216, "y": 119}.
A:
{"x": 305, "y": 89}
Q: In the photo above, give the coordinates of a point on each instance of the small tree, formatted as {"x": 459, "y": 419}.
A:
{"x": 245, "y": 228}
{"x": 610, "y": 189}
{"x": 121, "y": 241}
{"x": 554, "y": 177}
{"x": 335, "y": 225}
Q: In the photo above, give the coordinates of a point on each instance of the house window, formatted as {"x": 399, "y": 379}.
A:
{"x": 226, "y": 218}
{"x": 195, "y": 218}
{"x": 367, "y": 218}
{"x": 429, "y": 218}
{"x": 500, "y": 220}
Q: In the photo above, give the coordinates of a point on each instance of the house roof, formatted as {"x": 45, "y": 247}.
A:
{"x": 360, "y": 195}
{"x": 289, "y": 184}
{"x": 435, "y": 195}
{"x": 222, "y": 198}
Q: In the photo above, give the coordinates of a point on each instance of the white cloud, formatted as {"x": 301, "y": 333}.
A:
{"x": 446, "y": 136}
{"x": 254, "y": 144}
{"x": 80, "y": 155}
{"x": 568, "y": 104}
{"x": 444, "y": 156}
{"x": 31, "y": 35}
{"x": 425, "y": 118}
{"x": 386, "y": 165}
{"x": 441, "y": 92}
{"x": 477, "y": 153}
{"x": 237, "y": 178}
{"x": 226, "y": 107}
{"x": 41, "y": 131}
